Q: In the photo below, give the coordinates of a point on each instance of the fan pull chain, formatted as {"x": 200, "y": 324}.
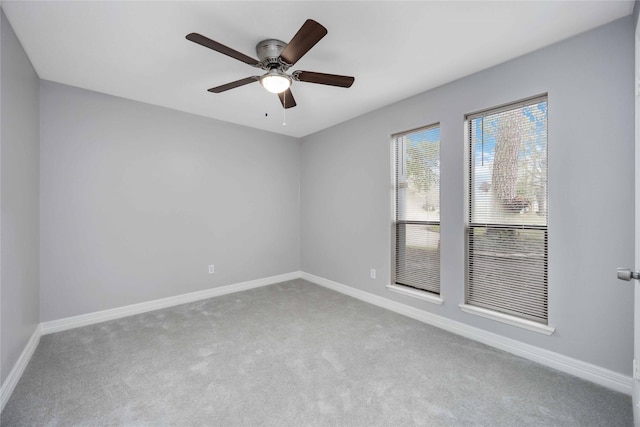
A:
{"x": 266, "y": 106}
{"x": 284, "y": 109}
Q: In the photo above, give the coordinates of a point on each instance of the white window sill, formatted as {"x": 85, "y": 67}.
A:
{"x": 425, "y": 296}
{"x": 510, "y": 320}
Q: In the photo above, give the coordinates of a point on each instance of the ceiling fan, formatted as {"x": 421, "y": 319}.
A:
{"x": 276, "y": 57}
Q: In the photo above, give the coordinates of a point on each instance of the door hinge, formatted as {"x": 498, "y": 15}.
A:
{"x": 636, "y": 369}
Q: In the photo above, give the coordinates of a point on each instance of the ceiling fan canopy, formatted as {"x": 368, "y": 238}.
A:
{"x": 276, "y": 57}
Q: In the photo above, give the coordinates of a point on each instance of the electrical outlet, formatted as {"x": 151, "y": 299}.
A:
{"x": 373, "y": 273}
{"x": 211, "y": 269}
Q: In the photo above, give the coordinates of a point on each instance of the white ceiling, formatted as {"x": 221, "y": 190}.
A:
{"x": 138, "y": 50}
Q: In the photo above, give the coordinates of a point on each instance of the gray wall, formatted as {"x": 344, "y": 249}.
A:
{"x": 19, "y": 153}
{"x": 137, "y": 201}
{"x": 346, "y": 191}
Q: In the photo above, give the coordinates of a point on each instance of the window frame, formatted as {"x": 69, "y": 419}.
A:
{"x": 393, "y": 286}
{"x": 470, "y": 225}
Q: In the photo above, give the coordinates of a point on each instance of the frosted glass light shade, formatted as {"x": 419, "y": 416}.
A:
{"x": 275, "y": 81}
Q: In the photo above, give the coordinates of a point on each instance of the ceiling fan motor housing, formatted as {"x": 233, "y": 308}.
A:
{"x": 268, "y": 52}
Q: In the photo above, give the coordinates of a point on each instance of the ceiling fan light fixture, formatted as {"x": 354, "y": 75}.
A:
{"x": 275, "y": 81}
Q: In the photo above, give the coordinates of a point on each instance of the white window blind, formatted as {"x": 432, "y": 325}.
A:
{"x": 417, "y": 209}
{"x": 507, "y": 235}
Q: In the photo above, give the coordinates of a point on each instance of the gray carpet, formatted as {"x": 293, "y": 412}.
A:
{"x": 292, "y": 354}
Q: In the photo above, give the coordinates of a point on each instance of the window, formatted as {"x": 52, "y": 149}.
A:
{"x": 507, "y": 236}
{"x": 417, "y": 209}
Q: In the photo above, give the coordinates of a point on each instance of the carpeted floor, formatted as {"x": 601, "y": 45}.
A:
{"x": 292, "y": 354}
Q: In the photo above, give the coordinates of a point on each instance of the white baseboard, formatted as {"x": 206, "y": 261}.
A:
{"x": 578, "y": 368}
{"x": 14, "y": 376}
{"x": 143, "y": 307}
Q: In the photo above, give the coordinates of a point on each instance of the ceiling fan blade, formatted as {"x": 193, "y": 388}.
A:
{"x": 323, "y": 79}
{"x": 232, "y": 85}
{"x": 307, "y": 36}
{"x": 286, "y": 99}
{"x": 219, "y": 47}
